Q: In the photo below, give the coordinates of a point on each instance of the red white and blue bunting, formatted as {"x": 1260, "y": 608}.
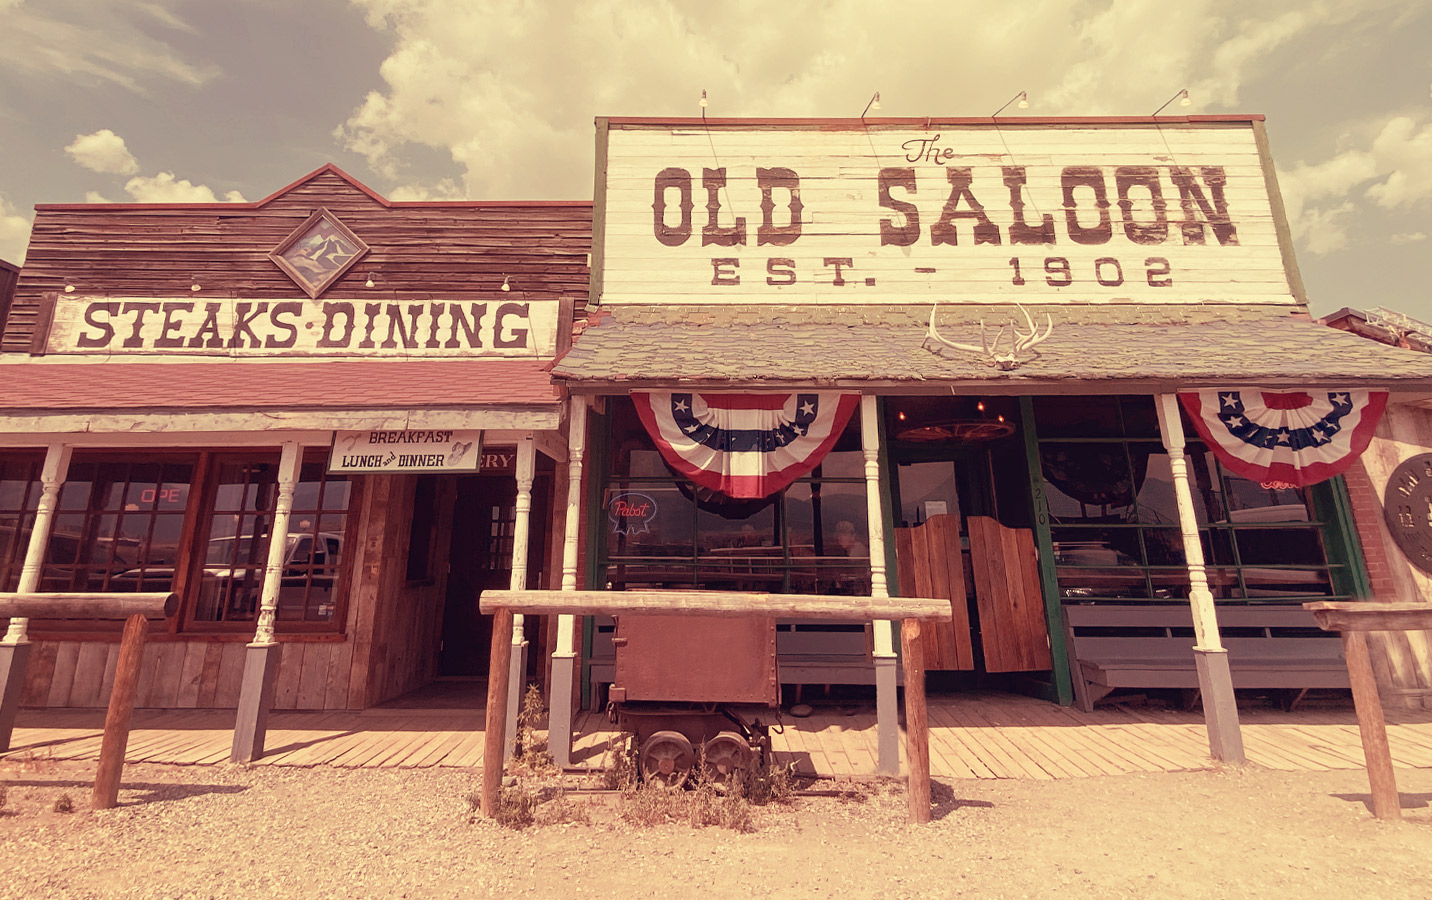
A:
{"x": 1296, "y": 438}
{"x": 744, "y": 445}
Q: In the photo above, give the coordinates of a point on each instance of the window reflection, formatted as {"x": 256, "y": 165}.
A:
{"x": 1116, "y": 526}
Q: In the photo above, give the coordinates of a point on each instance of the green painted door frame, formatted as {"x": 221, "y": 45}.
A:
{"x": 1062, "y": 686}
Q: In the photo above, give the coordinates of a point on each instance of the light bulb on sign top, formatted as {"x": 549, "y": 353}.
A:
{"x": 1181, "y": 97}
{"x": 505, "y": 286}
{"x": 1022, "y": 98}
{"x": 372, "y": 280}
{"x": 702, "y": 102}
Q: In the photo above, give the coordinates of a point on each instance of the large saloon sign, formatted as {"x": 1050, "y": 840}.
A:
{"x": 849, "y": 212}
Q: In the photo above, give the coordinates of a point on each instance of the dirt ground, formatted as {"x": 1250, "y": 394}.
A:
{"x": 227, "y": 831}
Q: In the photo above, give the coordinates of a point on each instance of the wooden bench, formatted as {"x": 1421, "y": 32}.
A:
{"x": 1151, "y": 646}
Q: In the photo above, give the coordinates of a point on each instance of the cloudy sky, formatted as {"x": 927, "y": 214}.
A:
{"x": 179, "y": 100}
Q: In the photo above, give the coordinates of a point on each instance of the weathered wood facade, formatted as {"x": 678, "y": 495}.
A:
{"x": 453, "y": 309}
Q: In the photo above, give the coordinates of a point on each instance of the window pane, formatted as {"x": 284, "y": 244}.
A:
{"x": 1089, "y": 583}
{"x": 1077, "y": 417}
{"x": 1089, "y": 482}
{"x": 1141, "y": 418}
{"x": 1280, "y": 547}
{"x": 649, "y": 520}
{"x": 828, "y": 520}
{"x": 1249, "y": 501}
{"x": 1164, "y": 547}
{"x": 1286, "y": 583}
{"x": 927, "y": 489}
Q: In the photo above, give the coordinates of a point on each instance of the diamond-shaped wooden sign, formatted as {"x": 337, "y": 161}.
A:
{"x": 318, "y": 252}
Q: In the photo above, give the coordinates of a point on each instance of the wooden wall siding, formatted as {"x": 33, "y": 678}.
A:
{"x": 931, "y": 564}
{"x": 9, "y": 275}
{"x": 176, "y": 674}
{"x": 396, "y": 627}
{"x": 841, "y": 215}
{"x": 1009, "y": 596}
{"x": 417, "y": 252}
{"x": 1402, "y": 660}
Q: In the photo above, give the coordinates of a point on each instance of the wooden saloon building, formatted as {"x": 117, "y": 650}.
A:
{"x": 347, "y": 392}
{"x": 1059, "y": 372}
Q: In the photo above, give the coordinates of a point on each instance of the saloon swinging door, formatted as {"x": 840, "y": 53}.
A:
{"x": 962, "y": 532}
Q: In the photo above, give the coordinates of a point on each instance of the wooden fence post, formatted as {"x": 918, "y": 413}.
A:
{"x": 495, "y": 734}
{"x": 121, "y": 712}
{"x": 1386, "y": 804}
{"x": 917, "y": 726}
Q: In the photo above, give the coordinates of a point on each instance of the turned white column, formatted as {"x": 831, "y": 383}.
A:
{"x": 261, "y": 661}
{"x": 521, "y": 537}
{"x": 278, "y": 544}
{"x": 1220, "y": 709}
{"x": 52, "y": 478}
{"x": 559, "y": 717}
{"x": 15, "y": 648}
{"x": 887, "y": 723}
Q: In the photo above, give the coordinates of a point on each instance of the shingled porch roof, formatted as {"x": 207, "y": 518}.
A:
{"x": 1102, "y": 348}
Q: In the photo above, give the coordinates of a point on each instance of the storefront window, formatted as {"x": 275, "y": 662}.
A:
{"x": 236, "y": 549}
{"x": 197, "y": 523}
{"x": 19, "y": 498}
{"x": 662, "y": 531}
{"x": 1114, "y": 515}
{"x": 119, "y": 526}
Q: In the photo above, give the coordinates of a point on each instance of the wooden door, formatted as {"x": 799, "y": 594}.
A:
{"x": 1009, "y": 596}
{"x": 931, "y": 564}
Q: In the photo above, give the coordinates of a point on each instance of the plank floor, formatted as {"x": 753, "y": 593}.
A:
{"x": 971, "y": 736}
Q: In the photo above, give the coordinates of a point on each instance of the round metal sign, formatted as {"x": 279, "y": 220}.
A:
{"x": 1407, "y": 507}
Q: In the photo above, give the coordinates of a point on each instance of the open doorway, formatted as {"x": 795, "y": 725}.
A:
{"x": 480, "y": 559}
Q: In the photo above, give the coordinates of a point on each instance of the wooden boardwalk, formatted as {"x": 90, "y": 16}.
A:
{"x": 971, "y": 736}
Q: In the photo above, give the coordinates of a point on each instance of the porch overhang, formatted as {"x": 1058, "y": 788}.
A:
{"x": 1105, "y": 348}
{"x": 120, "y": 397}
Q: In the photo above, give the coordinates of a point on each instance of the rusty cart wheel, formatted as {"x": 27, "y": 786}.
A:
{"x": 726, "y": 757}
{"x": 666, "y": 758}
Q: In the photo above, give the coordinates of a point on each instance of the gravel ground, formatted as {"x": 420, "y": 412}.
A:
{"x": 224, "y": 832}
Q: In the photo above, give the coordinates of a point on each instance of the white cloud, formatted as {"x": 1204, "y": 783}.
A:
{"x": 1389, "y": 165}
{"x": 445, "y": 189}
{"x": 14, "y": 233}
{"x": 1404, "y": 151}
{"x": 166, "y": 188}
{"x": 95, "y": 41}
{"x": 507, "y": 89}
{"x": 1408, "y": 237}
{"x": 103, "y": 151}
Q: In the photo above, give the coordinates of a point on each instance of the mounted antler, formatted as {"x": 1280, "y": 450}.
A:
{"x": 1019, "y": 341}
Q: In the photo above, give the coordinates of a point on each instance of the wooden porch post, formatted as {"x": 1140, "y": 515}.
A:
{"x": 887, "y": 722}
{"x": 521, "y": 538}
{"x": 261, "y": 662}
{"x": 559, "y": 717}
{"x": 1220, "y": 710}
{"x": 16, "y": 646}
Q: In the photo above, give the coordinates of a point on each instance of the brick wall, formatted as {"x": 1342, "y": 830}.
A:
{"x": 1367, "y": 518}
